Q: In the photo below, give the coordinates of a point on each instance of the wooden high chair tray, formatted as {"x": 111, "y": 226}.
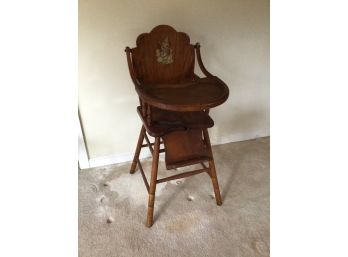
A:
{"x": 196, "y": 95}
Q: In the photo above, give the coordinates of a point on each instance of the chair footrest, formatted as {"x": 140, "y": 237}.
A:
{"x": 185, "y": 148}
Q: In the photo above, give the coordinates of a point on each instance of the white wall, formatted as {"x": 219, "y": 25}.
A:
{"x": 234, "y": 35}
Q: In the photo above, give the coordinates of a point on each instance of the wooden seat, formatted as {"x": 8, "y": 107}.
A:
{"x": 163, "y": 121}
{"x": 174, "y": 106}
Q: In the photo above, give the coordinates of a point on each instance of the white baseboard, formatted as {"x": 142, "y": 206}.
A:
{"x": 117, "y": 158}
{"x": 145, "y": 153}
{"x": 238, "y": 137}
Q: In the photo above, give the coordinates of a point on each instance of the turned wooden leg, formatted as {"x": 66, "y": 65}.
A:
{"x": 152, "y": 190}
{"x": 137, "y": 151}
{"x": 213, "y": 170}
{"x": 215, "y": 182}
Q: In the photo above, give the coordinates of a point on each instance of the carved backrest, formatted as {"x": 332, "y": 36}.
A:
{"x": 163, "y": 56}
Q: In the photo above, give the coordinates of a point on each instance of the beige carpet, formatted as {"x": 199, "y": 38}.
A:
{"x": 112, "y": 209}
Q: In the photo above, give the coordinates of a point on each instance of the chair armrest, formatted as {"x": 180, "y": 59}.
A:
{"x": 144, "y": 98}
{"x": 200, "y": 62}
{"x": 128, "y": 51}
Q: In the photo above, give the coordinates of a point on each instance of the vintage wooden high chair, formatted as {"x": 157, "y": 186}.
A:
{"x": 174, "y": 106}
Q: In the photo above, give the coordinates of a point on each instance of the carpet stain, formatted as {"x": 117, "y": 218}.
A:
{"x": 102, "y": 211}
{"x": 259, "y": 246}
{"x": 132, "y": 187}
{"x": 94, "y": 188}
{"x": 186, "y": 223}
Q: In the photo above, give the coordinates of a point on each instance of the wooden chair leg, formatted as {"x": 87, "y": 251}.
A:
{"x": 213, "y": 170}
{"x": 152, "y": 190}
{"x": 215, "y": 182}
{"x": 137, "y": 151}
